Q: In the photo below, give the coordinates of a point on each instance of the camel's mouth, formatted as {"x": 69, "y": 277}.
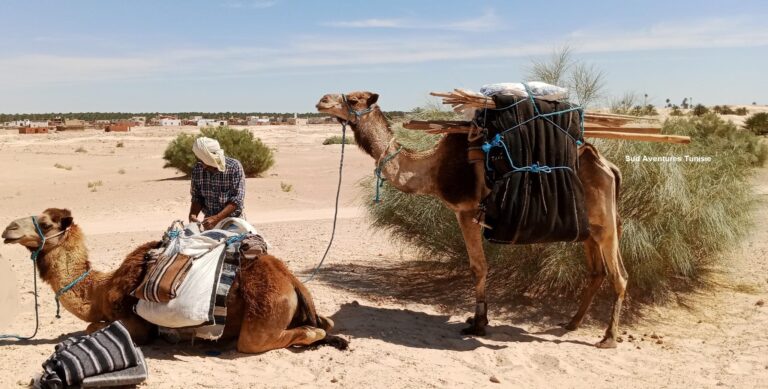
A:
{"x": 11, "y": 240}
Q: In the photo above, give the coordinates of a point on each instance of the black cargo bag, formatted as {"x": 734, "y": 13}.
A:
{"x": 531, "y": 167}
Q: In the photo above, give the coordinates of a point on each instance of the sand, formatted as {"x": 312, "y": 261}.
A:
{"x": 402, "y": 320}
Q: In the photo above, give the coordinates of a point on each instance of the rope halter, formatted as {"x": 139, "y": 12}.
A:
{"x": 351, "y": 111}
{"x": 36, "y": 253}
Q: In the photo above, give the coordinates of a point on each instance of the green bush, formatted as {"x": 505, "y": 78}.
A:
{"x": 255, "y": 157}
{"x": 700, "y": 110}
{"x": 757, "y": 123}
{"x": 679, "y": 218}
{"x": 675, "y": 111}
{"x": 336, "y": 140}
{"x": 741, "y": 111}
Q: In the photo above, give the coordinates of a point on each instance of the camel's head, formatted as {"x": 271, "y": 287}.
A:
{"x": 53, "y": 222}
{"x": 344, "y": 107}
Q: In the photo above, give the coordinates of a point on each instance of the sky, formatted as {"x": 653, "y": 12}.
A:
{"x": 283, "y": 55}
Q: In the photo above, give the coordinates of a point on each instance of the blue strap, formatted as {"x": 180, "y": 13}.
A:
{"x": 236, "y": 238}
{"x": 377, "y": 172}
{"x": 67, "y": 288}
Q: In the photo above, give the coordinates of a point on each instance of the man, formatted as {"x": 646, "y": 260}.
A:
{"x": 218, "y": 184}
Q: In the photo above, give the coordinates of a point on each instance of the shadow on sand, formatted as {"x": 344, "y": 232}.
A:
{"x": 422, "y": 330}
{"x": 451, "y": 291}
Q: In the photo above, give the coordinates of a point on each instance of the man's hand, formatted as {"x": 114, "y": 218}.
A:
{"x": 193, "y": 219}
{"x": 211, "y": 222}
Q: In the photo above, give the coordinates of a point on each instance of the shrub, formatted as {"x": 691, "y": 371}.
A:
{"x": 336, "y": 140}
{"x": 757, "y": 123}
{"x": 286, "y": 187}
{"x": 741, "y": 111}
{"x": 81, "y": 149}
{"x": 675, "y": 111}
{"x": 663, "y": 250}
{"x": 60, "y": 166}
{"x": 93, "y": 185}
{"x": 723, "y": 110}
{"x": 120, "y": 144}
{"x": 700, "y": 110}
{"x": 255, "y": 157}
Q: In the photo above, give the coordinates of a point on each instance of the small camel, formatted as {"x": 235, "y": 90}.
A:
{"x": 267, "y": 307}
{"x": 445, "y": 172}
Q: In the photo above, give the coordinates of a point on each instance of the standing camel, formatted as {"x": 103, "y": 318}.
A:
{"x": 267, "y": 307}
{"x": 445, "y": 172}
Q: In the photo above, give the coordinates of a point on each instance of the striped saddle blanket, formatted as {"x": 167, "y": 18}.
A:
{"x": 106, "y": 350}
{"x": 189, "y": 277}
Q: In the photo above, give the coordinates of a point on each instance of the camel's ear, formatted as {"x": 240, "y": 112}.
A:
{"x": 372, "y": 99}
{"x": 66, "y": 221}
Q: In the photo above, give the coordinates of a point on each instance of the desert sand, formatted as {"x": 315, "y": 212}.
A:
{"x": 402, "y": 319}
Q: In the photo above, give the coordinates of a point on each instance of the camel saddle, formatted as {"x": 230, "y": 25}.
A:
{"x": 531, "y": 165}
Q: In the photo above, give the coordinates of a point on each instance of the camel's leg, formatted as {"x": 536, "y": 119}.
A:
{"x": 140, "y": 330}
{"x": 611, "y": 256}
{"x": 254, "y": 339}
{"x": 474, "y": 241}
{"x": 596, "y": 276}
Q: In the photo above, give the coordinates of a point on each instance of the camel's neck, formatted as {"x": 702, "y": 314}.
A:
{"x": 62, "y": 264}
{"x": 407, "y": 171}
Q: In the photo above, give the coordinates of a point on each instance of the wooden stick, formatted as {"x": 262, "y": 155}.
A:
{"x": 466, "y": 126}
{"x": 630, "y": 130}
{"x": 638, "y": 137}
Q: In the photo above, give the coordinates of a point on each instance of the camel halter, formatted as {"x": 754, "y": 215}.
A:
{"x": 69, "y": 286}
{"x": 357, "y": 114}
{"x": 33, "y": 257}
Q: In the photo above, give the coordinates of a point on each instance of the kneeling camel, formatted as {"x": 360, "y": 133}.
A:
{"x": 267, "y": 307}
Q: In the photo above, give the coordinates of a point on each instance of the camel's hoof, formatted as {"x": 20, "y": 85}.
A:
{"x": 471, "y": 330}
{"x": 477, "y": 330}
{"x": 606, "y": 343}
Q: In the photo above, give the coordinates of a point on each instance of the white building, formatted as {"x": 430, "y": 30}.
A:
{"x": 211, "y": 123}
{"x": 165, "y": 122}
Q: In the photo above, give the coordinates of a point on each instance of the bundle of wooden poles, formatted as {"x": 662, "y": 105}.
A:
{"x": 596, "y": 125}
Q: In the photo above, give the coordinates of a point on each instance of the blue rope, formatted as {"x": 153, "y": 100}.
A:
{"x": 497, "y": 141}
{"x": 33, "y": 257}
{"x": 67, "y": 288}
{"x": 377, "y": 172}
{"x": 236, "y": 238}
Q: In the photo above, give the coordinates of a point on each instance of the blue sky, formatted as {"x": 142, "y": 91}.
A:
{"x": 283, "y": 55}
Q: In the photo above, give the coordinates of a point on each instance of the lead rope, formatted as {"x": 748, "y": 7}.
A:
{"x": 336, "y": 208}
{"x": 34, "y": 283}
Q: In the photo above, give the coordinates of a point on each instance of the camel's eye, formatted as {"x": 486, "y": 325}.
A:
{"x": 45, "y": 226}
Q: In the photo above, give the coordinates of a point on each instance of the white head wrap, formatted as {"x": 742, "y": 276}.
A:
{"x": 209, "y": 151}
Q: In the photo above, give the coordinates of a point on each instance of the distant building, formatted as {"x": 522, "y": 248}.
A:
{"x": 168, "y": 122}
{"x": 257, "y": 121}
{"x": 71, "y": 124}
{"x": 211, "y": 122}
{"x": 139, "y": 121}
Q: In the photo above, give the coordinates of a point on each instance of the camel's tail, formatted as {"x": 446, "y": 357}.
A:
{"x": 307, "y": 315}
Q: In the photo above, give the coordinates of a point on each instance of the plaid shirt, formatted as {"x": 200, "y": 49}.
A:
{"x": 213, "y": 190}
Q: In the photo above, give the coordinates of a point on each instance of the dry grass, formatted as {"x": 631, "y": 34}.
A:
{"x": 94, "y": 185}
{"x": 60, "y": 166}
{"x": 286, "y": 187}
{"x": 679, "y": 218}
{"x": 81, "y": 149}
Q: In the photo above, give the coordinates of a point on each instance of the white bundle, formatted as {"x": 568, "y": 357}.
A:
{"x": 540, "y": 90}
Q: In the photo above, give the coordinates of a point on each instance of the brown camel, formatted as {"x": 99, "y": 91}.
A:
{"x": 446, "y": 173}
{"x": 267, "y": 307}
